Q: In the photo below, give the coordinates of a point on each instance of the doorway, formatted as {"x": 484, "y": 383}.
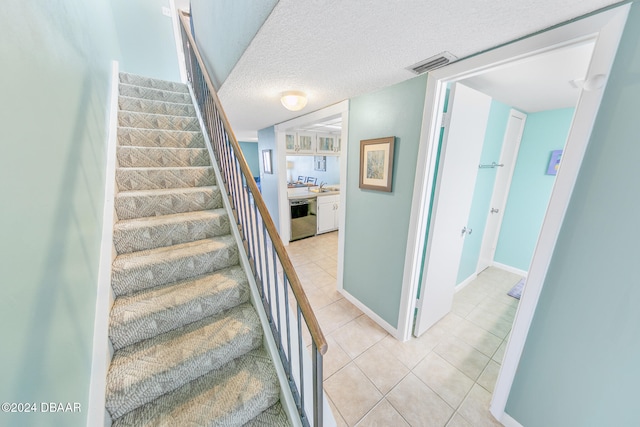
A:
{"x": 504, "y": 169}
{"x": 336, "y": 113}
{"x": 605, "y": 28}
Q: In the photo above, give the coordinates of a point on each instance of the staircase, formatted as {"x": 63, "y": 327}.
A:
{"x": 188, "y": 344}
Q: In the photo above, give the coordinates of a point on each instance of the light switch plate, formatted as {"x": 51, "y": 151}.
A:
{"x": 166, "y": 11}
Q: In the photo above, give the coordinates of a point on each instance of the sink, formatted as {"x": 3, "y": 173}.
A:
{"x": 318, "y": 190}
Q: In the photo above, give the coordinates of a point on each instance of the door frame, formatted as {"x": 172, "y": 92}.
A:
{"x": 342, "y": 109}
{"x": 606, "y": 28}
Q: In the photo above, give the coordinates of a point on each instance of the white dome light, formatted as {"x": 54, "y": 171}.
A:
{"x": 294, "y": 100}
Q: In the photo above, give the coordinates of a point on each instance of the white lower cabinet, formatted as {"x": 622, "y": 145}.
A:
{"x": 328, "y": 216}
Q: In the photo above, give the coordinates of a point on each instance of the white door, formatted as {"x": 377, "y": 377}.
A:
{"x": 508, "y": 157}
{"x": 461, "y": 149}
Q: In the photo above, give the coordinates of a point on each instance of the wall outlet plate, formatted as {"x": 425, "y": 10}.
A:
{"x": 166, "y": 11}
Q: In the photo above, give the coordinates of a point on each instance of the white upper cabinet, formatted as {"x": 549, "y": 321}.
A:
{"x": 306, "y": 143}
{"x": 312, "y": 143}
{"x": 328, "y": 143}
{"x": 290, "y": 142}
{"x": 300, "y": 143}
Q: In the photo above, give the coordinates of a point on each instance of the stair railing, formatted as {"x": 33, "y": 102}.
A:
{"x": 272, "y": 269}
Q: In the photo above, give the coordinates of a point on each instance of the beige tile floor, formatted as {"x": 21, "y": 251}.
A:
{"x": 444, "y": 378}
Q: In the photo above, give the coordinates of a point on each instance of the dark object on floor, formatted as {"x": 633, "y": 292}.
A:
{"x": 516, "y": 291}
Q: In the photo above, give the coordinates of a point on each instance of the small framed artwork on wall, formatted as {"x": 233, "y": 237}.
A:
{"x": 376, "y": 163}
{"x": 554, "y": 162}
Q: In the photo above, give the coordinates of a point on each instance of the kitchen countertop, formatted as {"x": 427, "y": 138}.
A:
{"x": 312, "y": 195}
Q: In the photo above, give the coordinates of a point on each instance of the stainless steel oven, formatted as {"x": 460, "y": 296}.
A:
{"x": 303, "y": 218}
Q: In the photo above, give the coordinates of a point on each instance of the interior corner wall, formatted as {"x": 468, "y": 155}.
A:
{"x": 147, "y": 42}
{"x": 55, "y": 88}
{"x": 250, "y": 151}
{"x": 377, "y": 223}
{"x": 579, "y": 367}
{"x": 531, "y": 187}
{"x": 224, "y": 29}
{"x": 483, "y": 192}
{"x": 269, "y": 182}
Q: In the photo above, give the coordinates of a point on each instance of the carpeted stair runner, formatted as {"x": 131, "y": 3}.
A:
{"x": 188, "y": 344}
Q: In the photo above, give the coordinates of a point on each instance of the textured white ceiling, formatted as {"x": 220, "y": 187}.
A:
{"x": 335, "y": 49}
{"x": 538, "y": 83}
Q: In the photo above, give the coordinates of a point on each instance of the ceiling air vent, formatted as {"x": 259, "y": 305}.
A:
{"x": 437, "y": 61}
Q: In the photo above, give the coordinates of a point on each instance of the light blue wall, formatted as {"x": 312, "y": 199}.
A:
{"x": 580, "y": 362}
{"x": 531, "y": 187}
{"x": 269, "y": 182}
{"x": 56, "y": 67}
{"x": 480, "y": 205}
{"x": 224, "y": 29}
{"x": 250, "y": 151}
{"x": 146, "y": 39}
{"x": 377, "y": 223}
{"x": 303, "y": 166}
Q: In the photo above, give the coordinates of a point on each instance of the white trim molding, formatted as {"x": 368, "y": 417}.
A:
{"x": 460, "y": 286}
{"x": 101, "y": 357}
{"x": 507, "y": 421}
{"x": 510, "y": 269}
{"x": 177, "y": 35}
{"x": 366, "y": 310}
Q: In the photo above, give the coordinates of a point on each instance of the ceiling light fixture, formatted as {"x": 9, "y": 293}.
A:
{"x": 294, "y": 100}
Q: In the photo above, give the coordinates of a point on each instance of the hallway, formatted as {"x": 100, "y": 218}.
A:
{"x": 444, "y": 378}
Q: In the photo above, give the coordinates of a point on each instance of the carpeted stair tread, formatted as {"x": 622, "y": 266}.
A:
{"x": 138, "y": 157}
{"x": 146, "y": 370}
{"x": 157, "y": 310}
{"x": 135, "y": 271}
{"x": 134, "y": 91}
{"x": 274, "y": 416}
{"x": 146, "y": 203}
{"x": 230, "y": 396}
{"x": 141, "y": 105}
{"x": 140, "y": 234}
{"x": 189, "y": 345}
{"x": 155, "y": 178}
{"x": 135, "y": 79}
{"x": 128, "y": 136}
{"x": 156, "y": 121}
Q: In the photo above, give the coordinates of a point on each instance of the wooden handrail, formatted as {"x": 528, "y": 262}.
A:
{"x": 305, "y": 307}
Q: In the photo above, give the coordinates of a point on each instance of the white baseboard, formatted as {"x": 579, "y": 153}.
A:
{"x": 366, "y": 310}
{"x": 510, "y": 269}
{"x": 507, "y": 421}
{"x": 101, "y": 357}
{"x": 460, "y": 286}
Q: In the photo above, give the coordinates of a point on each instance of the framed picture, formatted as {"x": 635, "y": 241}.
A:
{"x": 266, "y": 161}
{"x": 376, "y": 163}
{"x": 554, "y": 162}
